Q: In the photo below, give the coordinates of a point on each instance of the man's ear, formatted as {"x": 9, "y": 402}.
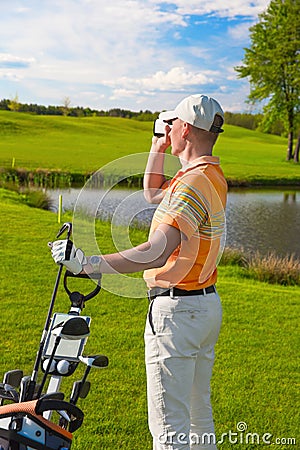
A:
{"x": 186, "y": 128}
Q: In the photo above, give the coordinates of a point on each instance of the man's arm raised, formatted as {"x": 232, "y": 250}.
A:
{"x": 154, "y": 177}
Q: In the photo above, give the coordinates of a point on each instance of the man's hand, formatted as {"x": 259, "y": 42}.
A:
{"x": 64, "y": 252}
{"x": 160, "y": 145}
{"x": 154, "y": 178}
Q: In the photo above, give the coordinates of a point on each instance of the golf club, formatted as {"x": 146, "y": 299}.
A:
{"x": 24, "y": 387}
{"x": 80, "y": 390}
{"x": 96, "y": 361}
{"x": 8, "y": 392}
{"x": 31, "y": 387}
{"x": 12, "y": 378}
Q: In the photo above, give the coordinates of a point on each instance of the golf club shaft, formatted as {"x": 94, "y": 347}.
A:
{"x": 30, "y": 393}
{"x": 34, "y": 375}
{"x": 56, "y": 344}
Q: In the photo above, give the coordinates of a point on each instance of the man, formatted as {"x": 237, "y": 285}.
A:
{"x": 179, "y": 262}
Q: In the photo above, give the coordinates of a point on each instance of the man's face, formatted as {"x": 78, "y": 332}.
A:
{"x": 177, "y": 142}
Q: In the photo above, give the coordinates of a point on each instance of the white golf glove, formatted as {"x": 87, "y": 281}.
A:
{"x": 64, "y": 252}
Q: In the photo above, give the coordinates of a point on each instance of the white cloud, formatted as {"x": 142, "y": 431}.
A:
{"x": 198, "y": 52}
{"x": 10, "y": 76}
{"x": 105, "y": 52}
{"x": 240, "y": 32}
{"x": 22, "y": 9}
{"x": 219, "y": 8}
{"x": 107, "y": 38}
{"x": 231, "y": 74}
{"x": 124, "y": 93}
{"x": 13, "y": 60}
{"x": 176, "y": 79}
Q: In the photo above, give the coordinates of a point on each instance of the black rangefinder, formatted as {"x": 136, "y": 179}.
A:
{"x": 159, "y": 128}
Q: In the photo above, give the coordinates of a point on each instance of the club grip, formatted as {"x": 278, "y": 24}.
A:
{"x": 92, "y": 294}
{"x": 94, "y": 276}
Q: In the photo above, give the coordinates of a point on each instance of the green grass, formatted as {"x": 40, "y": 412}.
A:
{"x": 250, "y": 155}
{"x": 255, "y": 375}
{"x": 65, "y": 143}
{"x": 87, "y": 144}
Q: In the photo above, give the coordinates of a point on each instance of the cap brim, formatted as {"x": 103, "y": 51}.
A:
{"x": 167, "y": 115}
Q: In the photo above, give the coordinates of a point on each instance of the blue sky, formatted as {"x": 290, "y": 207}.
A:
{"x": 132, "y": 54}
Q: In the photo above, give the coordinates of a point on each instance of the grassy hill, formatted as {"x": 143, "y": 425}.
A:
{"x": 87, "y": 144}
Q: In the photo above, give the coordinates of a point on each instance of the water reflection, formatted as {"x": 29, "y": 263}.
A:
{"x": 289, "y": 197}
{"x": 257, "y": 219}
{"x": 264, "y": 220}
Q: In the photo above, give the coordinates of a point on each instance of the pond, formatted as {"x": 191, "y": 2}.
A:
{"x": 257, "y": 219}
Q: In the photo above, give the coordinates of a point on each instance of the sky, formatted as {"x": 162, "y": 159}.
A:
{"x": 130, "y": 54}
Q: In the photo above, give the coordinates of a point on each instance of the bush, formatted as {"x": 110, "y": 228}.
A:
{"x": 270, "y": 268}
{"x": 37, "y": 199}
{"x": 275, "y": 269}
{"x": 233, "y": 257}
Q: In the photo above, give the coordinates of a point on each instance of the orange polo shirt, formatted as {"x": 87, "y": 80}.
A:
{"x": 194, "y": 202}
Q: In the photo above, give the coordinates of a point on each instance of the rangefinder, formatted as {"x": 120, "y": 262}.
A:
{"x": 159, "y": 128}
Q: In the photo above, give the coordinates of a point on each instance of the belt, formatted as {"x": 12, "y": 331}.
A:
{"x": 176, "y": 292}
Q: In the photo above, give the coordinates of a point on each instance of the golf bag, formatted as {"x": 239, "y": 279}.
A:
{"x": 26, "y": 422}
{"x": 22, "y": 426}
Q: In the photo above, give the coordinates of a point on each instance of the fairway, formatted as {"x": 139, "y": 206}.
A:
{"x": 255, "y": 373}
{"x": 87, "y": 144}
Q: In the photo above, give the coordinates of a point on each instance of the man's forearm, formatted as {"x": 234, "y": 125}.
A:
{"x": 148, "y": 255}
{"x": 154, "y": 174}
{"x": 129, "y": 261}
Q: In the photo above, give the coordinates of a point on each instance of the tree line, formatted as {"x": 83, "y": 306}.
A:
{"x": 245, "y": 120}
{"x": 77, "y": 111}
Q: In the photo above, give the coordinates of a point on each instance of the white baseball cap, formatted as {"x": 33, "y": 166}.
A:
{"x": 199, "y": 111}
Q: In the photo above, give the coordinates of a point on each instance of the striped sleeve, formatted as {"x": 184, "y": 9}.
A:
{"x": 187, "y": 209}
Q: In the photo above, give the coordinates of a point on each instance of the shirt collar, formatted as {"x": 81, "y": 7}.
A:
{"x": 202, "y": 160}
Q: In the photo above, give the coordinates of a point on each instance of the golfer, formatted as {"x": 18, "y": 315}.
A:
{"x": 179, "y": 263}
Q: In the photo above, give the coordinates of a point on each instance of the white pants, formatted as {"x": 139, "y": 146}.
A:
{"x": 180, "y": 336}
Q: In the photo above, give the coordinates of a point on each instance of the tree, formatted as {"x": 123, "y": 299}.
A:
{"x": 272, "y": 64}
{"x": 66, "y": 106}
{"x": 14, "y": 104}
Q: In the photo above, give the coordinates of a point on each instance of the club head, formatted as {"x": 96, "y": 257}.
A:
{"x": 85, "y": 389}
{"x": 97, "y": 361}
{"x": 8, "y": 392}
{"x": 66, "y": 226}
{"x": 24, "y": 387}
{"x": 73, "y": 329}
{"x": 13, "y": 377}
{"x": 80, "y": 390}
{"x": 64, "y": 415}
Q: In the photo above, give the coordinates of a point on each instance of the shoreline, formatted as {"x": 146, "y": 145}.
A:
{"x": 48, "y": 178}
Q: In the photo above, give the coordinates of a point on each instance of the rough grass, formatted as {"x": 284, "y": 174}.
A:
{"x": 274, "y": 269}
{"x": 269, "y": 268}
{"x": 31, "y": 197}
{"x": 37, "y": 199}
{"x": 233, "y": 257}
